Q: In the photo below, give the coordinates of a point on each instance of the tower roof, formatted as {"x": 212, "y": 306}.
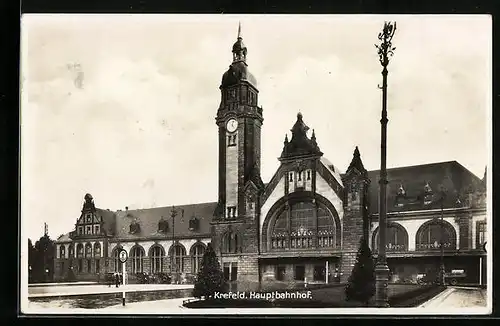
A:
{"x": 356, "y": 167}
{"x": 238, "y": 70}
{"x": 300, "y": 144}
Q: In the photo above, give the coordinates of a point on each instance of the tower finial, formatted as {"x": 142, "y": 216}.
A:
{"x": 239, "y": 29}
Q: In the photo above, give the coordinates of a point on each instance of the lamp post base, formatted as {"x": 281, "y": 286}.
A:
{"x": 442, "y": 279}
{"x": 381, "y": 283}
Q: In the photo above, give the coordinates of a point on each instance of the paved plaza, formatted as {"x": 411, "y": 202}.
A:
{"x": 69, "y": 290}
{"x": 458, "y": 297}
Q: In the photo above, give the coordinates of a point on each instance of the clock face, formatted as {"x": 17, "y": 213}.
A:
{"x": 232, "y": 125}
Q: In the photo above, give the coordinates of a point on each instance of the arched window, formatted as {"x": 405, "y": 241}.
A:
{"x": 177, "y": 255}
{"x": 88, "y": 256}
{"x": 304, "y": 225}
{"x": 396, "y": 236}
{"x": 137, "y": 255}
{"x": 97, "y": 250}
{"x": 79, "y": 250}
{"x": 157, "y": 254}
{"x": 326, "y": 229}
{"x": 88, "y": 250}
{"x": 230, "y": 243}
{"x": 71, "y": 251}
{"x": 62, "y": 251}
{"x": 280, "y": 232}
{"x": 116, "y": 260}
{"x": 197, "y": 252}
{"x": 429, "y": 236}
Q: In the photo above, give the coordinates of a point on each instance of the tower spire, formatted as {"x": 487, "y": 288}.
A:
{"x": 239, "y": 30}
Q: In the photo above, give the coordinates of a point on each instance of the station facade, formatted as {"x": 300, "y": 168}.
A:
{"x": 305, "y": 224}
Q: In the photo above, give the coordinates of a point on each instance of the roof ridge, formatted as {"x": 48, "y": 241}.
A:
{"x": 167, "y": 206}
{"x": 418, "y": 165}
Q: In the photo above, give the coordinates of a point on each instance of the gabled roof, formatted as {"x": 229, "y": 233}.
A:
{"x": 455, "y": 178}
{"x": 148, "y": 221}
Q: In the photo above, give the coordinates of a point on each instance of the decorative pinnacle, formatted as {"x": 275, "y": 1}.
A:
{"x": 286, "y": 138}
{"x": 239, "y": 30}
{"x": 313, "y": 136}
{"x": 356, "y": 152}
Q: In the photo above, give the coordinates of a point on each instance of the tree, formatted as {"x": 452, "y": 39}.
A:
{"x": 43, "y": 259}
{"x": 31, "y": 260}
{"x": 361, "y": 283}
{"x": 210, "y": 278}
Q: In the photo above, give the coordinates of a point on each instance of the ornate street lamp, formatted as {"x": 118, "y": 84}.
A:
{"x": 384, "y": 50}
{"x": 173, "y": 263}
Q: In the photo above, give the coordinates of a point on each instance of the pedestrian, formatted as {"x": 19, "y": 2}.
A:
{"x": 117, "y": 280}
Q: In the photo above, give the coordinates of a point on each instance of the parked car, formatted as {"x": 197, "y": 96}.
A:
{"x": 109, "y": 278}
{"x": 429, "y": 277}
{"x": 455, "y": 276}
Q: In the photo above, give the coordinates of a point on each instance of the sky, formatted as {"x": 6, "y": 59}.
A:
{"x": 123, "y": 106}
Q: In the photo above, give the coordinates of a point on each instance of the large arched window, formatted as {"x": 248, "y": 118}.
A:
{"x": 197, "y": 252}
{"x": 71, "y": 251}
{"x": 177, "y": 255}
{"x": 230, "y": 244}
{"x": 429, "y": 236}
{"x": 304, "y": 225}
{"x": 396, "y": 238}
{"x": 116, "y": 260}
{"x": 157, "y": 254}
{"x": 62, "y": 251}
{"x": 137, "y": 255}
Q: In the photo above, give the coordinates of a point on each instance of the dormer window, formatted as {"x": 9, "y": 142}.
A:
{"x": 163, "y": 226}
{"x": 80, "y": 230}
{"x": 401, "y": 195}
{"x": 134, "y": 228}
{"x": 427, "y": 194}
{"x": 89, "y": 218}
{"x": 193, "y": 223}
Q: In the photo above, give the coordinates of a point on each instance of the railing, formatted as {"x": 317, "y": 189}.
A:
{"x": 435, "y": 245}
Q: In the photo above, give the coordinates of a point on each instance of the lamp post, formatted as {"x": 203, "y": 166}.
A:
{"x": 441, "y": 237}
{"x": 173, "y": 263}
{"x": 384, "y": 50}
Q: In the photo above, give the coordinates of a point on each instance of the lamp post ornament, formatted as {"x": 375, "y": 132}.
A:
{"x": 441, "y": 236}
{"x": 173, "y": 265}
{"x": 384, "y": 50}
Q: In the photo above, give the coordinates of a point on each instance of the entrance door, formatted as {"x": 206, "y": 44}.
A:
{"x": 300, "y": 272}
{"x": 227, "y": 271}
{"x": 234, "y": 271}
{"x": 319, "y": 273}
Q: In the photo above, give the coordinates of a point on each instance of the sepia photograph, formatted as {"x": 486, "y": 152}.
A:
{"x": 255, "y": 164}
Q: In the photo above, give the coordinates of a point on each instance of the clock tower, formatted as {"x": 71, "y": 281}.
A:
{"x": 239, "y": 121}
